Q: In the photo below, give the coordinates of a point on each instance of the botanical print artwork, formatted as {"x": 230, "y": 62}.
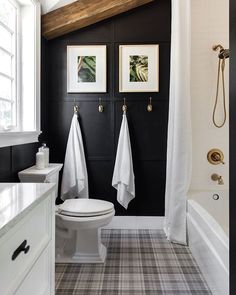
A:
{"x": 138, "y": 66}
{"x": 86, "y": 69}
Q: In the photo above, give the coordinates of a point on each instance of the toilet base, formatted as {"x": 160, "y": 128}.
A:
{"x": 84, "y": 247}
{"x": 83, "y": 258}
{"x": 78, "y": 239}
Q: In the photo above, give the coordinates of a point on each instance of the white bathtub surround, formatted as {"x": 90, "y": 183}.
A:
{"x": 216, "y": 203}
{"x": 123, "y": 175}
{"x": 75, "y": 178}
{"x": 27, "y": 220}
{"x": 179, "y": 148}
{"x": 209, "y": 244}
{"x": 212, "y": 29}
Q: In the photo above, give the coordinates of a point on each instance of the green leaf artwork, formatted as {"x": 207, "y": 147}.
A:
{"x": 86, "y": 69}
{"x": 138, "y": 68}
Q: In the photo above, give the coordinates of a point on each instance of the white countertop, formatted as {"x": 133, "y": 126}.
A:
{"x": 17, "y": 199}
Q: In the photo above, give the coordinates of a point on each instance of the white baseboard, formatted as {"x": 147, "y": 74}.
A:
{"x": 136, "y": 222}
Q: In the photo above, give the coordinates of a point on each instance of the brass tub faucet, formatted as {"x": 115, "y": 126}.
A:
{"x": 216, "y": 177}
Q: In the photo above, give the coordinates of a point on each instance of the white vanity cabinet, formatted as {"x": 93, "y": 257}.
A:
{"x": 27, "y": 243}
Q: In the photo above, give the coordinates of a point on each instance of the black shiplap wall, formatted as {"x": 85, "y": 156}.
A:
{"x": 147, "y": 24}
{"x": 14, "y": 159}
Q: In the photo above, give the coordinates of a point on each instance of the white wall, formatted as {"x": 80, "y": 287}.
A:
{"x": 50, "y": 5}
{"x": 210, "y": 25}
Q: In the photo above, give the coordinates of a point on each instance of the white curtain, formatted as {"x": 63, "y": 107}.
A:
{"x": 179, "y": 147}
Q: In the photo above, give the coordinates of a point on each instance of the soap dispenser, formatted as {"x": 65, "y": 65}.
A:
{"x": 46, "y": 154}
{"x": 40, "y": 162}
{"x": 45, "y": 150}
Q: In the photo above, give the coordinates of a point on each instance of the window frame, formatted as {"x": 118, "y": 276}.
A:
{"x": 15, "y": 75}
{"x": 17, "y": 135}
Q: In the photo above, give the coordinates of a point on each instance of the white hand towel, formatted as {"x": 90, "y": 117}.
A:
{"x": 123, "y": 175}
{"x": 75, "y": 178}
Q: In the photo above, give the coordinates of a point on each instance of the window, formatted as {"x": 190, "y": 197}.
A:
{"x": 19, "y": 71}
{"x": 8, "y": 67}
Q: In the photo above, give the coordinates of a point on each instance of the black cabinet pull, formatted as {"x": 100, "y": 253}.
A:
{"x": 21, "y": 248}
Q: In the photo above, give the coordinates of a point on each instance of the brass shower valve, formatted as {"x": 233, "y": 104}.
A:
{"x": 215, "y": 157}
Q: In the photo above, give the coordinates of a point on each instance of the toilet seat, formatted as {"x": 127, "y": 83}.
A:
{"x": 85, "y": 208}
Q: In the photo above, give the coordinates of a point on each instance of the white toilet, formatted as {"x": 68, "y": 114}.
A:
{"x": 78, "y": 221}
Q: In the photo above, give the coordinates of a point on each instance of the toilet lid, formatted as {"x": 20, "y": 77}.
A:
{"x": 85, "y": 207}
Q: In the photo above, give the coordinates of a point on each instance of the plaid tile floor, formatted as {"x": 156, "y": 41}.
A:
{"x": 138, "y": 262}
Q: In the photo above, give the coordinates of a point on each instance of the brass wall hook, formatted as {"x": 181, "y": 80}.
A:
{"x": 100, "y": 106}
{"x": 76, "y": 108}
{"x": 149, "y": 106}
{"x": 124, "y": 107}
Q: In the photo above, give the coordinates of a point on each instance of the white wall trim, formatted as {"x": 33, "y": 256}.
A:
{"x": 50, "y": 5}
{"x": 15, "y": 138}
{"x": 27, "y": 131}
{"x": 136, "y": 222}
{"x": 37, "y": 61}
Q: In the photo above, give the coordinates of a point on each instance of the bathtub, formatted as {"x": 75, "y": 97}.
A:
{"x": 208, "y": 236}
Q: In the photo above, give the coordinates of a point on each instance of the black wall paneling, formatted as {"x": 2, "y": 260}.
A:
{"x": 5, "y": 164}
{"x": 149, "y": 24}
{"x": 16, "y": 158}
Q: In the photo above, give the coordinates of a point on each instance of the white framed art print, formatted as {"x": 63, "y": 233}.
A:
{"x": 86, "y": 68}
{"x": 139, "y": 68}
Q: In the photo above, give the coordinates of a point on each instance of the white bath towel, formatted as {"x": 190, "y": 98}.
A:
{"x": 75, "y": 178}
{"x": 123, "y": 175}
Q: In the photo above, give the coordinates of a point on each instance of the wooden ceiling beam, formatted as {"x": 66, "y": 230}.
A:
{"x": 83, "y": 13}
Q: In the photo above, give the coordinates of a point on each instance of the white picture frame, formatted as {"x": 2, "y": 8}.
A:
{"x": 144, "y": 57}
{"x": 86, "y": 68}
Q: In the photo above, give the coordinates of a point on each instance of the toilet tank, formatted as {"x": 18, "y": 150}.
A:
{"x": 46, "y": 175}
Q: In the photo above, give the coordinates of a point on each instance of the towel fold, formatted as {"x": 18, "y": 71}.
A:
{"x": 75, "y": 178}
{"x": 123, "y": 175}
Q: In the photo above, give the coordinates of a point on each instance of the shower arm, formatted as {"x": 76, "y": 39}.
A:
{"x": 218, "y": 46}
{"x": 223, "y": 53}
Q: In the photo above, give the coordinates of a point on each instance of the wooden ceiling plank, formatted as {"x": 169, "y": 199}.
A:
{"x": 83, "y": 13}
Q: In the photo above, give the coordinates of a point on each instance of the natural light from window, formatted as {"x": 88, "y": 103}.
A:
{"x": 19, "y": 71}
{"x": 8, "y": 53}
